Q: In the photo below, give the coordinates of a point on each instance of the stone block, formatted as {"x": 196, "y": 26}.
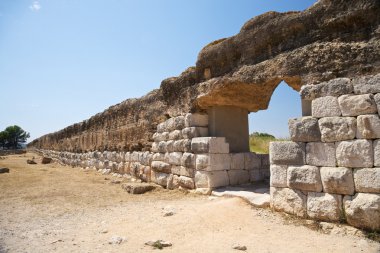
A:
{"x": 175, "y": 158}
{"x": 334, "y": 87}
{"x": 161, "y": 147}
{"x": 304, "y": 178}
{"x": 237, "y": 161}
{"x": 252, "y": 161}
{"x": 324, "y": 206}
{"x": 305, "y": 129}
{"x": 193, "y": 132}
{"x": 287, "y": 153}
{"x": 154, "y": 147}
{"x": 188, "y": 160}
{"x": 196, "y": 120}
{"x": 160, "y": 178}
{"x": 215, "y": 145}
{"x": 213, "y": 162}
{"x": 363, "y": 210}
{"x": 320, "y": 154}
{"x": 183, "y": 171}
{"x": 178, "y": 146}
{"x": 146, "y": 158}
{"x": 354, "y": 105}
{"x": 278, "y": 175}
{"x": 367, "y": 84}
{"x": 337, "y": 180}
{"x": 288, "y": 201}
{"x": 186, "y": 145}
{"x": 186, "y": 182}
{"x": 158, "y": 157}
{"x": 337, "y": 128}
{"x": 238, "y": 177}
{"x": 175, "y": 123}
{"x": 157, "y": 137}
{"x": 354, "y": 154}
{"x": 175, "y": 135}
{"x": 211, "y": 179}
{"x": 161, "y": 166}
{"x": 325, "y": 107}
{"x": 368, "y": 127}
{"x": 377, "y": 101}
{"x": 367, "y": 180}
{"x": 255, "y": 175}
{"x": 376, "y": 151}
{"x": 169, "y": 146}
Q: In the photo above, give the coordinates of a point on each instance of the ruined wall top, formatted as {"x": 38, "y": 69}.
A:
{"x": 331, "y": 39}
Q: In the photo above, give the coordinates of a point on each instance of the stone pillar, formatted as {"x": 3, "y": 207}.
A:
{"x": 232, "y": 123}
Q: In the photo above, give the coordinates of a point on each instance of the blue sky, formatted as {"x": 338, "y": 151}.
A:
{"x": 62, "y": 61}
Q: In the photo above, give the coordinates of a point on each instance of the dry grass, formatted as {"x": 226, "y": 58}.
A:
{"x": 260, "y": 144}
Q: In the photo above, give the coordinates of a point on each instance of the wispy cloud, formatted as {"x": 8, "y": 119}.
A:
{"x": 36, "y": 6}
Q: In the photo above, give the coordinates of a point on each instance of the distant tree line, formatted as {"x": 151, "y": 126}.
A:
{"x": 13, "y": 137}
{"x": 257, "y": 134}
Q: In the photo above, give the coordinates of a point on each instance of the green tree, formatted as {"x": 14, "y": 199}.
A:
{"x": 14, "y": 136}
{"x": 3, "y": 139}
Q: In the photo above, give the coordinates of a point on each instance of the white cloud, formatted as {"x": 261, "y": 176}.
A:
{"x": 36, "y": 6}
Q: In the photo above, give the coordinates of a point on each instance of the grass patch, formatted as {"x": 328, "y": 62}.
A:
{"x": 259, "y": 142}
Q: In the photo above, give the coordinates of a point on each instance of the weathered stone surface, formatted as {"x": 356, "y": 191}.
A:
{"x": 363, "y": 210}
{"x": 354, "y": 105}
{"x": 169, "y": 146}
{"x": 252, "y": 161}
{"x": 137, "y": 188}
{"x": 175, "y": 135}
{"x": 192, "y": 132}
{"x": 238, "y": 177}
{"x": 320, "y": 154}
{"x": 175, "y": 123}
{"x": 237, "y": 161}
{"x": 377, "y": 101}
{"x": 365, "y": 85}
{"x": 287, "y": 153}
{"x": 305, "y": 129}
{"x": 325, "y": 107}
{"x": 255, "y": 175}
{"x": 376, "y": 150}
{"x": 213, "y": 162}
{"x": 161, "y": 166}
{"x": 337, "y": 128}
{"x": 178, "y": 146}
{"x": 160, "y": 178}
{"x": 215, "y": 145}
{"x": 354, "y": 154}
{"x": 186, "y": 182}
{"x": 324, "y": 206}
{"x": 196, "y": 120}
{"x": 288, "y": 200}
{"x": 211, "y": 179}
{"x": 158, "y": 157}
{"x": 305, "y": 178}
{"x": 337, "y": 180}
{"x": 175, "y": 158}
{"x": 188, "y": 160}
{"x": 46, "y": 160}
{"x": 183, "y": 171}
{"x": 368, "y": 127}
{"x": 335, "y": 87}
{"x": 278, "y": 175}
{"x": 367, "y": 180}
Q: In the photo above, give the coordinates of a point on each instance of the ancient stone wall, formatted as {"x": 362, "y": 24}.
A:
{"x": 331, "y": 169}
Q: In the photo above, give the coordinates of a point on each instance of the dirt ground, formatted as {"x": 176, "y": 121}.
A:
{"x": 54, "y": 208}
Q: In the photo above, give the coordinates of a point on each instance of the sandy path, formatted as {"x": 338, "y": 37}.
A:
{"x": 51, "y": 208}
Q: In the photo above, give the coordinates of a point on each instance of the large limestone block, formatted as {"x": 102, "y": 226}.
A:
{"x": 213, "y": 162}
{"x": 183, "y": 171}
{"x": 287, "y": 153}
{"x": 377, "y": 101}
{"x": 161, "y": 147}
{"x": 325, "y": 107}
{"x": 175, "y": 123}
{"x": 175, "y": 158}
{"x": 157, "y": 137}
{"x": 367, "y": 180}
{"x": 288, "y": 201}
{"x": 169, "y": 146}
{"x": 193, "y": 132}
{"x": 320, "y": 154}
{"x": 363, "y": 210}
{"x": 337, "y": 180}
{"x": 354, "y": 105}
{"x": 188, "y": 160}
{"x": 368, "y": 127}
{"x": 324, "y": 206}
{"x": 367, "y": 84}
{"x": 237, "y": 161}
{"x": 175, "y": 135}
{"x": 376, "y": 151}
{"x": 278, "y": 175}
{"x": 161, "y": 166}
{"x": 158, "y": 157}
{"x": 159, "y": 178}
{"x": 146, "y": 158}
{"x": 215, "y": 145}
{"x": 354, "y": 154}
{"x": 238, "y": 177}
{"x": 334, "y": 87}
{"x": 211, "y": 179}
{"x": 304, "y": 129}
{"x": 304, "y": 178}
{"x": 337, "y": 128}
{"x": 252, "y": 161}
{"x": 186, "y": 182}
{"x": 178, "y": 146}
{"x": 196, "y": 120}
{"x": 255, "y": 175}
